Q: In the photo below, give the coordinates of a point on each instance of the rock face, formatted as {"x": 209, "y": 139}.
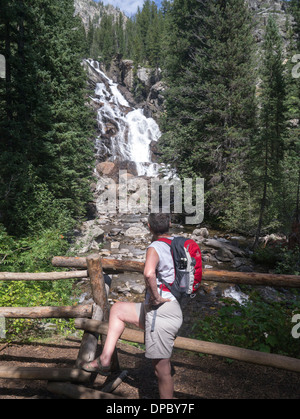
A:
{"x": 89, "y": 10}
{"x": 145, "y": 89}
{"x": 262, "y": 9}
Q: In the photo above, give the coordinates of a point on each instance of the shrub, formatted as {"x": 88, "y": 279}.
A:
{"x": 32, "y": 254}
{"x": 257, "y": 325}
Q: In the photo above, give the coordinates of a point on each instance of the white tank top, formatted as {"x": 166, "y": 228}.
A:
{"x": 165, "y": 267}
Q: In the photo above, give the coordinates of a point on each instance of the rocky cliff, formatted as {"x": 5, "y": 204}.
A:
{"x": 262, "y": 9}
{"x": 90, "y": 11}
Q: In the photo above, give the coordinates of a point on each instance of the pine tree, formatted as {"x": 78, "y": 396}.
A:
{"x": 269, "y": 147}
{"x": 210, "y": 104}
{"x": 45, "y": 139}
{"x": 292, "y": 157}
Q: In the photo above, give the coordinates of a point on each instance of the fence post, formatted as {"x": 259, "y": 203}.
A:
{"x": 89, "y": 343}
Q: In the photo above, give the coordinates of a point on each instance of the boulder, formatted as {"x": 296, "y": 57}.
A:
{"x": 224, "y": 255}
{"x": 137, "y": 230}
{"x": 107, "y": 168}
{"x": 201, "y": 232}
{"x": 138, "y": 289}
{"x": 216, "y": 244}
{"x": 89, "y": 238}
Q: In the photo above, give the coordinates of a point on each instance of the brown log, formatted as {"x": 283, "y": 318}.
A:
{"x": 233, "y": 352}
{"x": 41, "y": 276}
{"x": 69, "y": 262}
{"x": 247, "y": 278}
{"x": 89, "y": 342}
{"x": 79, "y": 392}
{"x": 109, "y": 265}
{"x": 252, "y": 278}
{"x": 98, "y": 283}
{"x": 48, "y": 374}
{"x": 99, "y": 291}
{"x": 46, "y": 312}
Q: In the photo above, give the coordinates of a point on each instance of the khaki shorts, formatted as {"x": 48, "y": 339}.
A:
{"x": 160, "y": 334}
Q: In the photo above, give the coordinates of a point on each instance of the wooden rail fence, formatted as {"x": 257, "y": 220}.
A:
{"x": 93, "y": 320}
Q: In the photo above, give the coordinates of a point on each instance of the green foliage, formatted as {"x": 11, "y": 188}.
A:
{"x": 258, "y": 325}
{"x": 267, "y": 256}
{"x": 33, "y": 254}
{"x": 280, "y": 258}
{"x": 289, "y": 262}
{"x": 268, "y": 144}
{"x": 230, "y": 117}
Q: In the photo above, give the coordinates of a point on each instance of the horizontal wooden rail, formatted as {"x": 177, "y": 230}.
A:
{"x": 41, "y": 373}
{"x": 73, "y": 391}
{"x": 252, "y": 278}
{"x": 247, "y": 278}
{"x": 233, "y": 352}
{"x": 107, "y": 264}
{"x": 113, "y": 265}
{"x": 41, "y": 276}
{"x": 69, "y": 312}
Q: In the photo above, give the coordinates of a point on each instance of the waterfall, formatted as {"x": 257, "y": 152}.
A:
{"x": 125, "y": 133}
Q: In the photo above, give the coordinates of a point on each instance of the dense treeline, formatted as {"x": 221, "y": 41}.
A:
{"x": 45, "y": 151}
{"x": 138, "y": 38}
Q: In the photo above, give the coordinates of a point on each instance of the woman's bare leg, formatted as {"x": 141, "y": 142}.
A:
{"x": 162, "y": 368}
{"x": 120, "y": 313}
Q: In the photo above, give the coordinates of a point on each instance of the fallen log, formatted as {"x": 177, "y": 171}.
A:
{"x": 69, "y": 312}
{"x": 41, "y": 276}
{"x": 246, "y": 278}
{"x": 79, "y": 392}
{"x": 232, "y": 352}
{"x": 48, "y": 374}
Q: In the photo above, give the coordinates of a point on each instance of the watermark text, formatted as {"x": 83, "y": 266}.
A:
{"x": 2, "y": 67}
{"x": 296, "y": 328}
{"x": 139, "y": 195}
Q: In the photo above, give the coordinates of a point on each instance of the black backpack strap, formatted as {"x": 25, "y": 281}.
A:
{"x": 154, "y": 315}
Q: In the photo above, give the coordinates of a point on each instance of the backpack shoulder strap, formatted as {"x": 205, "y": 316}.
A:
{"x": 165, "y": 240}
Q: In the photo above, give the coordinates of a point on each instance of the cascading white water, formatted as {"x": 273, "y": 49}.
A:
{"x": 130, "y": 132}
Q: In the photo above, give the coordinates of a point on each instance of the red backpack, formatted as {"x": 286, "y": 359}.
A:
{"x": 187, "y": 260}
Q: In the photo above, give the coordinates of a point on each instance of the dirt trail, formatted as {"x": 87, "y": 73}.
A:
{"x": 195, "y": 377}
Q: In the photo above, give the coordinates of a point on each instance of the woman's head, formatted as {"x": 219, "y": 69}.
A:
{"x": 159, "y": 223}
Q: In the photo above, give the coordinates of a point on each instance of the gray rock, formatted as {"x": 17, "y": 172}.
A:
{"x": 216, "y": 244}
{"x": 138, "y": 289}
{"x": 137, "y": 230}
{"x": 201, "y": 232}
{"x": 224, "y": 255}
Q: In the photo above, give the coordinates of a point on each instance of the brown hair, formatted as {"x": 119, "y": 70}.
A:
{"x": 159, "y": 223}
